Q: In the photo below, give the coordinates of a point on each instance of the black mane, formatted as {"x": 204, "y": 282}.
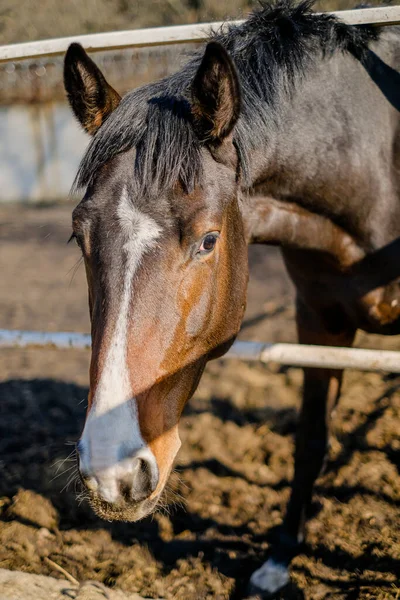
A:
{"x": 272, "y": 47}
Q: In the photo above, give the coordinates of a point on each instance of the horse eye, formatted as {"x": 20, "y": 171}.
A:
{"x": 208, "y": 243}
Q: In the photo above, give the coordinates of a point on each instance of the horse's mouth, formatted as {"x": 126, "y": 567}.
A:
{"x": 123, "y": 511}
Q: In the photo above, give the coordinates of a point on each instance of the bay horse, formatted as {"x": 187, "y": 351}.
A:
{"x": 282, "y": 130}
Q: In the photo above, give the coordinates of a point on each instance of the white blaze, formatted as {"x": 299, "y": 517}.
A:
{"x": 112, "y": 427}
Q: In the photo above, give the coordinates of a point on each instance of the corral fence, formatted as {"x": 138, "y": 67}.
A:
{"x": 177, "y": 34}
{"x": 288, "y": 354}
{"x": 297, "y": 355}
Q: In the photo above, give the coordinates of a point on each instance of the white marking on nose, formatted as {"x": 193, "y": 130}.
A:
{"x": 112, "y": 427}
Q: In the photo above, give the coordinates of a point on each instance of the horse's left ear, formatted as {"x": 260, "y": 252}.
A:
{"x": 91, "y": 97}
{"x": 215, "y": 95}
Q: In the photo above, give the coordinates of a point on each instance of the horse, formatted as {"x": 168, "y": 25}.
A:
{"x": 282, "y": 130}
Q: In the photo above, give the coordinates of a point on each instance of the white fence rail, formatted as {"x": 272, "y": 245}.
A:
{"x": 178, "y": 34}
{"x": 297, "y": 355}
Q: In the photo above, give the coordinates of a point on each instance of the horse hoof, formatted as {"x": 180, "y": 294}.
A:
{"x": 271, "y": 577}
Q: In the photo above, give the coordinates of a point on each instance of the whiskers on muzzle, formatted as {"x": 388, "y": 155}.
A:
{"x": 122, "y": 510}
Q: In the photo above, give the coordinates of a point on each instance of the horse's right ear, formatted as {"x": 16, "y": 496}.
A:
{"x": 91, "y": 98}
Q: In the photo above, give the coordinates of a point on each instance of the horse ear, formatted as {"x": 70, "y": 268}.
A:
{"x": 215, "y": 95}
{"x": 92, "y": 99}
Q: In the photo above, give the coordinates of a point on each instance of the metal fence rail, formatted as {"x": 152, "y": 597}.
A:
{"x": 178, "y": 34}
{"x": 297, "y": 355}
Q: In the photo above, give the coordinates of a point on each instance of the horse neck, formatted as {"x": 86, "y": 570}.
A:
{"x": 322, "y": 152}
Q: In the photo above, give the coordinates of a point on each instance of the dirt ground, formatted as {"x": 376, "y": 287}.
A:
{"x": 232, "y": 477}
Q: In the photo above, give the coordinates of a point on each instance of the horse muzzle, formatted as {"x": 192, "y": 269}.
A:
{"x": 119, "y": 475}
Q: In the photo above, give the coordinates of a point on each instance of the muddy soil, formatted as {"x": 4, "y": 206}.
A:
{"x": 231, "y": 483}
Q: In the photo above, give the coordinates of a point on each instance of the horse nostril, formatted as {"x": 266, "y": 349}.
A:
{"x": 144, "y": 467}
{"x": 145, "y": 479}
{"x": 125, "y": 489}
{"x": 140, "y": 484}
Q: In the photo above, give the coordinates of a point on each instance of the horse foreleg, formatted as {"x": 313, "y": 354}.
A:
{"x": 321, "y": 390}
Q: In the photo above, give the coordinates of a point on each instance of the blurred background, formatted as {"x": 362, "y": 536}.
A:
{"x": 40, "y": 143}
